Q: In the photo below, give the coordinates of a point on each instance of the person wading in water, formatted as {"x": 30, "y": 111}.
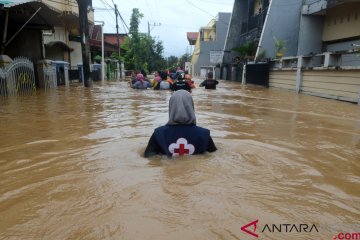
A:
{"x": 180, "y": 136}
{"x": 209, "y": 83}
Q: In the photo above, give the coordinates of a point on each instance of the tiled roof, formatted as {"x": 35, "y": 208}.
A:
{"x": 192, "y": 35}
{"x": 112, "y": 39}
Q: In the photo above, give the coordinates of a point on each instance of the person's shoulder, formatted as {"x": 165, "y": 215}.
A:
{"x": 202, "y": 129}
{"x": 161, "y": 128}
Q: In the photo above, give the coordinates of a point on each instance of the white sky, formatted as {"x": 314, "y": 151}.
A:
{"x": 177, "y": 17}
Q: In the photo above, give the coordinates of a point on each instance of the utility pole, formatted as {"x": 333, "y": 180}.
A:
{"x": 2, "y": 51}
{"x": 84, "y": 33}
{"x": 153, "y": 25}
{"x": 118, "y": 38}
{"x": 148, "y": 29}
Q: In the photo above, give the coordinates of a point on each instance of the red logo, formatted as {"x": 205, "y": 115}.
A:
{"x": 245, "y": 228}
{"x": 181, "y": 150}
{"x": 181, "y": 147}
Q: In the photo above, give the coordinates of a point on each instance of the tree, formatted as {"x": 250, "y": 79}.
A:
{"x": 158, "y": 61}
{"x": 172, "y": 62}
{"x": 152, "y": 53}
{"x": 142, "y": 51}
{"x": 184, "y": 58}
{"x": 134, "y": 44}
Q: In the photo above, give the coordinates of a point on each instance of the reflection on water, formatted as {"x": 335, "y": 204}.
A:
{"x": 71, "y": 165}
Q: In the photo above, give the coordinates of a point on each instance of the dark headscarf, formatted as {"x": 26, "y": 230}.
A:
{"x": 163, "y": 75}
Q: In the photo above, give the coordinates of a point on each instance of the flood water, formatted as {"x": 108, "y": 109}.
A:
{"x": 71, "y": 165}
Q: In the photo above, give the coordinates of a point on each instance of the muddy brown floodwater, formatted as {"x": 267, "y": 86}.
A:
{"x": 71, "y": 166}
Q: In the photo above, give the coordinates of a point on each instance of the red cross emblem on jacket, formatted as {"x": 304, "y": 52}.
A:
{"x": 181, "y": 147}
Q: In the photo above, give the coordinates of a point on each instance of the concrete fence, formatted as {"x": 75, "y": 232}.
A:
{"x": 320, "y": 75}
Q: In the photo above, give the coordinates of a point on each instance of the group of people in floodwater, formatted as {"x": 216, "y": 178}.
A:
{"x": 180, "y": 136}
{"x": 170, "y": 81}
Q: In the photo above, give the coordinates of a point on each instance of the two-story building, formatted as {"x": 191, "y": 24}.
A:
{"x": 42, "y": 29}
{"x": 324, "y": 59}
{"x": 321, "y": 42}
{"x": 209, "y": 44}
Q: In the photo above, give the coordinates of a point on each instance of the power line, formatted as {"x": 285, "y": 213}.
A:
{"x": 218, "y": 3}
{"x": 63, "y": 3}
{"x": 122, "y": 20}
{"x": 102, "y": 9}
{"x": 206, "y": 12}
{"x": 109, "y": 23}
{"x": 106, "y": 4}
{"x": 110, "y": 8}
{"x": 200, "y": 8}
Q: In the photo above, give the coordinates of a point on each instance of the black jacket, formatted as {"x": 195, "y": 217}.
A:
{"x": 180, "y": 140}
{"x": 209, "y": 84}
{"x": 180, "y": 84}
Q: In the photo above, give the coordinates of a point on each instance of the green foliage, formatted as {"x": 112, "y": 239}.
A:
{"x": 184, "y": 58}
{"x": 262, "y": 54}
{"x": 114, "y": 59}
{"x": 136, "y": 16}
{"x": 246, "y": 49}
{"x": 142, "y": 51}
{"x": 97, "y": 59}
{"x": 172, "y": 62}
{"x": 280, "y": 45}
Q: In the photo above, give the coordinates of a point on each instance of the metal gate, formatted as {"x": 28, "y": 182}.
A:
{"x": 18, "y": 77}
{"x": 257, "y": 73}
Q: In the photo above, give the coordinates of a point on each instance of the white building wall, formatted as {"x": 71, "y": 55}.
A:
{"x": 59, "y": 35}
{"x": 76, "y": 55}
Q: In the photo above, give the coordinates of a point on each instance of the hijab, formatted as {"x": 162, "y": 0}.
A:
{"x": 158, "y": 79}
{"x": 181, "y": 108}
{"x": 140, "y": 77}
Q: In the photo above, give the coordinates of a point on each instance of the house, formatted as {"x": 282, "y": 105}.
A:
{"x": 68, "y": 33}
{"x": 321, "y": 38}
{"x": 246, "y": 26}
{"x": 325, "y": 61}
{"x": 192, "y": 37}
{"x": 13, "y": 16}
{"x": 51, "y": 29}
{"x": 209, "y": 45}
{"x": 112, "y": 38}
{"x": 110, "y": 42}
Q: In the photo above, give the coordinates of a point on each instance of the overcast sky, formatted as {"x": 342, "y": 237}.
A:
{"x": 177, "y": 17}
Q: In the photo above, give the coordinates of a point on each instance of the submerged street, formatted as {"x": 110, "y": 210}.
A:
{"x": 71, "y": 165}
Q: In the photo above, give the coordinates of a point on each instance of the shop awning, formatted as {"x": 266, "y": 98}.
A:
{"x": 21, "y": 10}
